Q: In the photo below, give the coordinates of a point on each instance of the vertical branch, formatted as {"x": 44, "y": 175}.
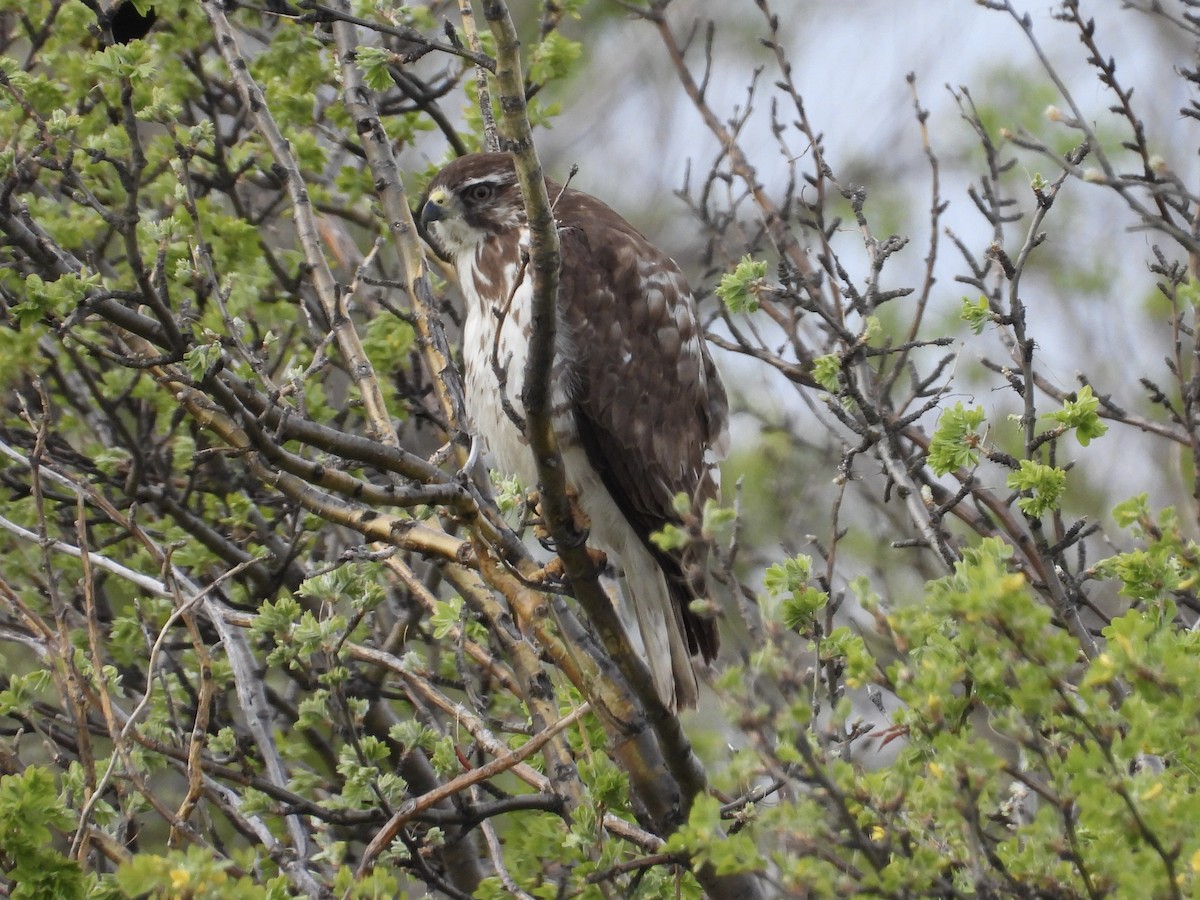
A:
{"x": 773, "y": 219}
{"x": 490, "y": 136}
{"x": 517, "y": 138}
{"x": 534, "y": 691}
{"x": 1023, "y": 348}
{"x": 936, "y": 207}
{"x": 389, "y": 187}
{"x": 331, "y": 294}
{"x": 198, "y": 738}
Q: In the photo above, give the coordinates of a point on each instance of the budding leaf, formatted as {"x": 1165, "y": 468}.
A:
{"x": 976, "y": 314}
{"x": 739, "y": 289}
{"x": 955, "y": 442}
{"x": 826, "y": 371}
{"x": 554, "y": 58}
{"x": 1044, "y": 484}
{"x": 1081, "y": 414}
{"x": 374, "y": 64}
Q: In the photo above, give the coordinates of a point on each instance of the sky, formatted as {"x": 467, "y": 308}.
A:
{"x": 849, "y": 60}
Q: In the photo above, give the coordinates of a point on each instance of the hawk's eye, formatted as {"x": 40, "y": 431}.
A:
{"x": 481, "y": 192}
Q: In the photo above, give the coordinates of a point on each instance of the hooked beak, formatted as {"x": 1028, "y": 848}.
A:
{"x": 434, "y": 209}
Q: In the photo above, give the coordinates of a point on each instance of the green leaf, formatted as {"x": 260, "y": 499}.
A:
{"x": 1189, "y": 293}
{"x": 708, "y": 843}
{"x": 276, "y": 618}
{"x": 1134, "y": 511}
{"x": 798, "y": 611}
{"x": 788, "y": 576}
{"x": 955, "y": 442}
{"x": 356, "y": 584}
{"x": 53, "y": 299}
{"x": 844, "y": 645}
{"x": 194, "y": 873}
{"x": 827, "y": 372}
{"x": 1144, "y": 574}
{"x": 313, "y": 710}
{"x": 374, "y": 62}
{"x": 977, "y": 314}
{"x": 446, "y": 617}
{"x": 670, "y": 537}
{"x": 790, "y": 599}
{"x": 23, "y": 690}
{"x": 1081, "y": 414}
{"x": 554, "y": 58}
{"x": 45, "y": 873}
{"x": 29, "y": 808}
{"x": 413, "y": 735}
{"x": 740, "y": 289}
{"x": 200, "y": 359}
{"x": 388, "y": 341}
{"x": 1043, "y": 483}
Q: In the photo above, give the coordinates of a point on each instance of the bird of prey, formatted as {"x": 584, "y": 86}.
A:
{"x": 639, "y": 410}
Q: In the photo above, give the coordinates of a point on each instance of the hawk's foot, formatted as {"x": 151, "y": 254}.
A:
{"x": 553, "y": 572}
{"x": 580, "y": 524}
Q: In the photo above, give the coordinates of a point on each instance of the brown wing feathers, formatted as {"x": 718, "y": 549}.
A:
{"x": 643, "y": 407}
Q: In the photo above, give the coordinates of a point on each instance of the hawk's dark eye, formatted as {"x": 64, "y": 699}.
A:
{"x": 480, "y": 193}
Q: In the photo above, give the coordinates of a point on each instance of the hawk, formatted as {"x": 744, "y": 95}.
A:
{"x": 638, "y": 408}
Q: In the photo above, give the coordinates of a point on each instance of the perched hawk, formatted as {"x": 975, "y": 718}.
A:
{"x": 638, "y": 407}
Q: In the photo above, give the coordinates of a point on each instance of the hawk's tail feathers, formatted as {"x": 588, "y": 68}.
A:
{"x": 655, "y": 624}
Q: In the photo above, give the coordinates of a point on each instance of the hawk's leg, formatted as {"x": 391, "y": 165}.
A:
{"x": 579, "y": 525}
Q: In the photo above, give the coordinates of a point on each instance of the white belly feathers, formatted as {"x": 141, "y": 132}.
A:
{"x": 502, "y": 437}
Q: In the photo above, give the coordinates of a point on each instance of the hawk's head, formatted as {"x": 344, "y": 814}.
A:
{"x": 473, "y": 198}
